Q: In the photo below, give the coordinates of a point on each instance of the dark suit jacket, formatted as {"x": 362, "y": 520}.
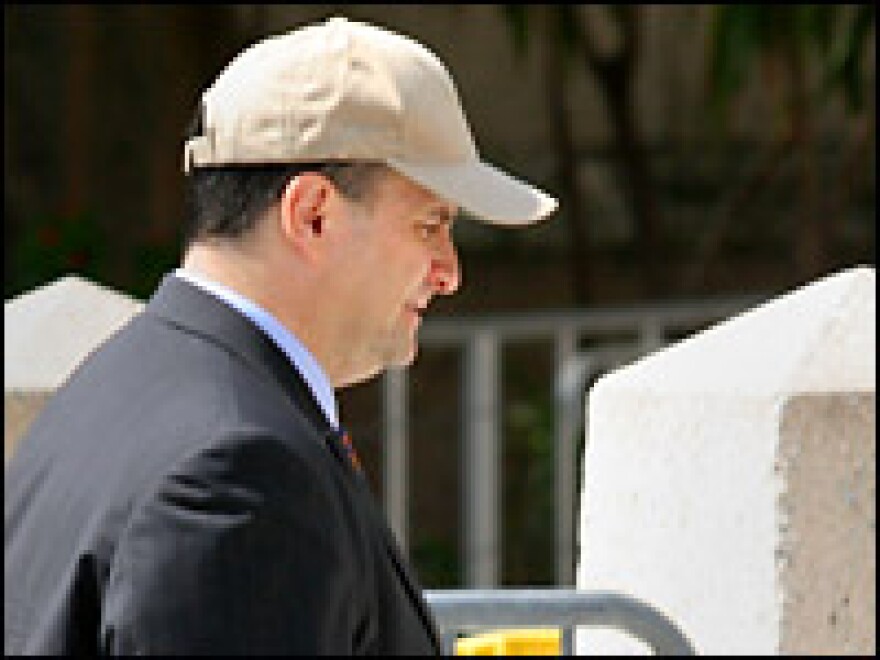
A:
{"x": 183, "y": 493}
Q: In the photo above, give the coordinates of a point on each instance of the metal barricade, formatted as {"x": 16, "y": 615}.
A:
{"x": 481, "y": 340}
{"x": 471, "y": 610}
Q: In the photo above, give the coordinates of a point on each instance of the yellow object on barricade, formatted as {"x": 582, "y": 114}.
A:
{"x": 512, "y": 641}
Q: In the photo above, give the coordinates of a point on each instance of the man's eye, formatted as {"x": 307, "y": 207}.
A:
{"x": 427, "y": 230}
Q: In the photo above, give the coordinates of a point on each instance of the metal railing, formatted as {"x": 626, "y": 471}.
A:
{"x": 636, "y": 331}
{"x": 458, "y": 611}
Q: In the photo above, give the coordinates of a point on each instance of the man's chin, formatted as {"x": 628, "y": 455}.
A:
{"x": 405, "y": 360}
{"x": 397, "y": 356}
{"x": 404, "y": 354}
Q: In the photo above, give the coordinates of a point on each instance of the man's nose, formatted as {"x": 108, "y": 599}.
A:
{"x": 445, "y": 274}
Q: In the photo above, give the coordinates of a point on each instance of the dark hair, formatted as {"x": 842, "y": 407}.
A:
{"x": 228, "y": 201}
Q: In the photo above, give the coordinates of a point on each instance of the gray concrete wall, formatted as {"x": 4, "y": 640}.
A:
{"x": 729, "y": 479}
{"x": 827, "y": 553}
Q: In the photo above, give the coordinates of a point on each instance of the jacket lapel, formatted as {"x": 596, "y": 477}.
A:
{"x": 410, "y": 585}
{"x": 400, "y": 564}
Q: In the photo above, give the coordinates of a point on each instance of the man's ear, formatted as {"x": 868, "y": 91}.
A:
{"x": 303, "y": 211}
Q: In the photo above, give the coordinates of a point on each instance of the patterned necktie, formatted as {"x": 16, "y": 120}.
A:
{"x": 345, "y": 438}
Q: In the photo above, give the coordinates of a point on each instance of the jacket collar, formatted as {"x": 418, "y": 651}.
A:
{"x": 185, "y": 305}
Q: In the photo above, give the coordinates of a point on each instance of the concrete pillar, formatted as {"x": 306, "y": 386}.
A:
{"x": 48, "y": 332}
{"x": 729, "y": 479}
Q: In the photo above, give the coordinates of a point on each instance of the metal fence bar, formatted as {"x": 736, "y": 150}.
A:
{"x": 652, "y": 334}
{"x": 568, "y": 640}
{"x": 395, "y": 464}
{"x": 447, "y": 642}
{"x": 565, "y": 427}
{"x": 470, "y": 610}
{"x": 482, "y": 453}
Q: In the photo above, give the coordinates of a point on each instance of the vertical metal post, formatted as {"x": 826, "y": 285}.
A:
{"x": 652, "y": 335}
{"x": 448, "y": 639}
{"x": 395, "y": 465}
{"x": 565, "y": 428}
{"x": 482, "y": 547}
{"x": 568, "y": 640}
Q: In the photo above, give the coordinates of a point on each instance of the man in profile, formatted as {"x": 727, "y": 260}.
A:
{"x": 190, "y": 488}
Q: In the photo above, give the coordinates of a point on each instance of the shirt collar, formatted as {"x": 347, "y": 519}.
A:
{"x": 298, "y": 355}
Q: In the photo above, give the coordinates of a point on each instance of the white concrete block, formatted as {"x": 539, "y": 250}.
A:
{"x": 729, "y": 479}
{"x": 48, "y": 332}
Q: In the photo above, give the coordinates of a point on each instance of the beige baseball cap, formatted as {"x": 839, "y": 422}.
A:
{"x": 344, "y": 90}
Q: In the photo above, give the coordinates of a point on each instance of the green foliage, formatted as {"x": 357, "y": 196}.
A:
{"x": 567, "y": 29}
{"x": 517, "y": 19}
{"x": 744, "y": 34}
{"x": 560, "y": 21}
{"x": 735, "y": 34}
{"x": 49, "y": 247}
{"x": 437, "y": 563}
{"x": 529, "y": 481}
{"x": 845, "y": 61}
{"x": 152, "y": 261}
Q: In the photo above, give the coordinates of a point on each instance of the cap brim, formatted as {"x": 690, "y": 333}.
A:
{"x": 483, "y": 191}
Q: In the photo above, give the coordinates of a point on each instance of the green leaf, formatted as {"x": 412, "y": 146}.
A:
{"x": 734, "y": 42}
{"x": 517, "y": 19}
{"x": 844, "y": 66}
{"x": 821, "y": 21}
{"x": 566, "y": 17}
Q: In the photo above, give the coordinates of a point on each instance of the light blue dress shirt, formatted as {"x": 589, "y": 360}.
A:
{"x": 300, "y": 357}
